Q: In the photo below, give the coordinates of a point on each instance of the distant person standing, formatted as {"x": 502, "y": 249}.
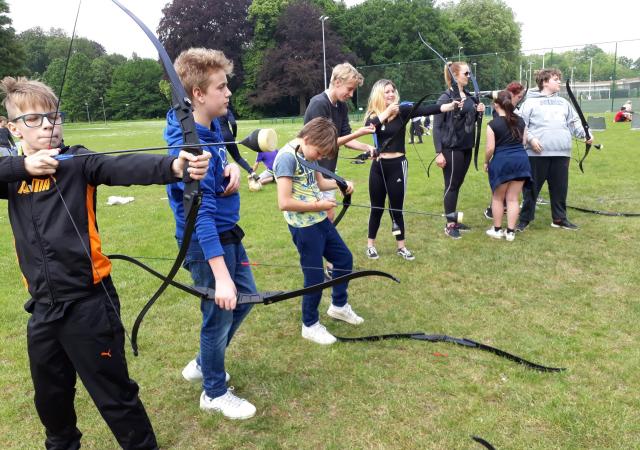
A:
{"x": 331, "y": 104}
{"x": 551, "y": 121}
{"x": 229, "y": 131}
{"x": 7, "y": 144}
{"x": 416, "y": 129}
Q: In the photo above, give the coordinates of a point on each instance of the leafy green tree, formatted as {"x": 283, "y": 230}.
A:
{"x": 218, "y": 24}
{"x": 42, "y": 47}
{"x": 487, "y": 28}
{"x": 12, "y": 53}
{"x": 295, "y": 64}
{"x": 77, "y": 88}
{"x": 386, "y": 32}
{"x": 135, "y": 93}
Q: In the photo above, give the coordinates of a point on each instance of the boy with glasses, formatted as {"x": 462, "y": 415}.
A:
{"x": 75, "y": 327}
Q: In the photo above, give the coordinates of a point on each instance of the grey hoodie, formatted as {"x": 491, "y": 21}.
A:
{"x": 552, "y": 120}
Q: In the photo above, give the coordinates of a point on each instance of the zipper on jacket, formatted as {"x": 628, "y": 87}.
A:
{"x": 44, "y": 259}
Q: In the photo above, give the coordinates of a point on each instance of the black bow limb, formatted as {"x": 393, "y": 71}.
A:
{"x": 583, "y": 121}
{"x": 419, "y": 336}
{"x": 192, "y": 195}
{"x": 340, "y": 182}
{"x": 266, "y": 298}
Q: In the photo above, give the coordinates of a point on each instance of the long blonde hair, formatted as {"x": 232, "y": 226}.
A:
{"x": 376, "y": 104}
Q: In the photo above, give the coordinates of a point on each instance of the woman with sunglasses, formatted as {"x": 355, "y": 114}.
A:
{"x": 454, "y": 138}
{"x": 388, "y": 175}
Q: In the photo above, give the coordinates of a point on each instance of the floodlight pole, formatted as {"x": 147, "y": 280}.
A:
{"x": 590, "y": 75}
{"x": 459, "y": 50}
{"x": 104, "y": 114}
{"x": 88, "y": 117}
{"x": 324, "y": 53}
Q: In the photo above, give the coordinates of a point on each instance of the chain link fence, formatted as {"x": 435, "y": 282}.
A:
{"x": 603, "y": 75}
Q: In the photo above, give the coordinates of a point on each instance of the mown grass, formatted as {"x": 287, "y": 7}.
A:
{"x": 556, "y": 297}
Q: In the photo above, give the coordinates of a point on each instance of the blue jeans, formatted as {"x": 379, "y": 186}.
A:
{"x": 218, "y": 325}
{"x": 315, "y": 242}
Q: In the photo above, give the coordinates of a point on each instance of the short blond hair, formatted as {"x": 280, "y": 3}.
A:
{"x": 346, "y": 72}
{"x": 196, "y": 64}
{"x": 21, "y": 94}
{"x": 322, "y": 133}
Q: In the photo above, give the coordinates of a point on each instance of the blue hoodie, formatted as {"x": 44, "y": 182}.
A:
{"x": 216, "y": 214}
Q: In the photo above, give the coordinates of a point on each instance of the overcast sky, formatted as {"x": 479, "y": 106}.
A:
{"x": 545, "y": 23}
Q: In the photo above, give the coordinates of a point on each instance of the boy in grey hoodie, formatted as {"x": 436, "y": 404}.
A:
{"x": 551, "y": 121}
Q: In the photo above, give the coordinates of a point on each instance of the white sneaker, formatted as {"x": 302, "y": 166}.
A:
{"x": 345, "y": 313}
{"x": 228, "y": 404}
{"x": 318, "y": 334}
{"x": 405, "y": 253}
{"x": 510, "y": 236}
{"x": 495, "y": 234}
{"x": 193, "y": 373}
{"x": 372, "y": 253}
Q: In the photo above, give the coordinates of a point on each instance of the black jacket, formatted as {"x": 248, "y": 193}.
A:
{"x": 456, "y": 129}
{"x": 51, "y": 257}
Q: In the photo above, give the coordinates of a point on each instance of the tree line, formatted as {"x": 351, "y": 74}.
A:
{"x": 277, "y": 50}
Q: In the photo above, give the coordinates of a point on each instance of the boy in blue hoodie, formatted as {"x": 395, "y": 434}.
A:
{"x": 216, "y": 254}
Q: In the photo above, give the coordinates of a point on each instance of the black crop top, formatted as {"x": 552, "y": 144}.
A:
{"x": 387, "y": 130}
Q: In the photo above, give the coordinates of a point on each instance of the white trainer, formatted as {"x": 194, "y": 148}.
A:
{"x": 510, "y": 236}
{"x": 495, "y": 234}
{"x": 229, "y": 405}
{"x": 318, "y": 334}
{"x": 345, "y": 313}
{"x": 192, "y": 372}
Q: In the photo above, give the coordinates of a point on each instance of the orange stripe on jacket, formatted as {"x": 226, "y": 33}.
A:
{"x": 101, "y": 264}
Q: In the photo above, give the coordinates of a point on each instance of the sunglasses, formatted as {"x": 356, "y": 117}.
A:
{"x": 467, "y": 74}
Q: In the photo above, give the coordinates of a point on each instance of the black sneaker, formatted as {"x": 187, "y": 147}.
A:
{"x": 452, "y": 231}
{"x": 564, "y": 223}
{"x": 462, "y": 227}
{"x": 488, "y": 213}
{"x": 522, "y": 225}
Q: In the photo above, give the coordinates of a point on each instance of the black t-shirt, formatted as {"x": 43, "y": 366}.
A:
{"x": 386, "y": 131}
{"x": 321, "y": 106}
{"x": 503, "y": 134}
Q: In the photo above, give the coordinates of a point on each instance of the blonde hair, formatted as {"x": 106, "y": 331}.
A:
{"x": 455, "y": 68}
{"x": 346, "y": 72}
{"x": 376, "y": 104}
{"x": 194, "y": 66}
{"x": 322, "y": 133}
{"x": 21, "y": 94}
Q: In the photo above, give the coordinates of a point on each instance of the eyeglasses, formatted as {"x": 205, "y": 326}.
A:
{"x": 34, "y": 120}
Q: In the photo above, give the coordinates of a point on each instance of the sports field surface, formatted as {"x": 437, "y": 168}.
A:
{"x": 556, "y": 297}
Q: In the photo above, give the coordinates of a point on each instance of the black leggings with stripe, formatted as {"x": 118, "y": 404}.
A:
{"x": 387, "y": 178}
{"x": 458, "y": 162}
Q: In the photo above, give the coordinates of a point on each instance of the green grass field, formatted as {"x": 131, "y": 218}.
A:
{"x": 556, "y": 297}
